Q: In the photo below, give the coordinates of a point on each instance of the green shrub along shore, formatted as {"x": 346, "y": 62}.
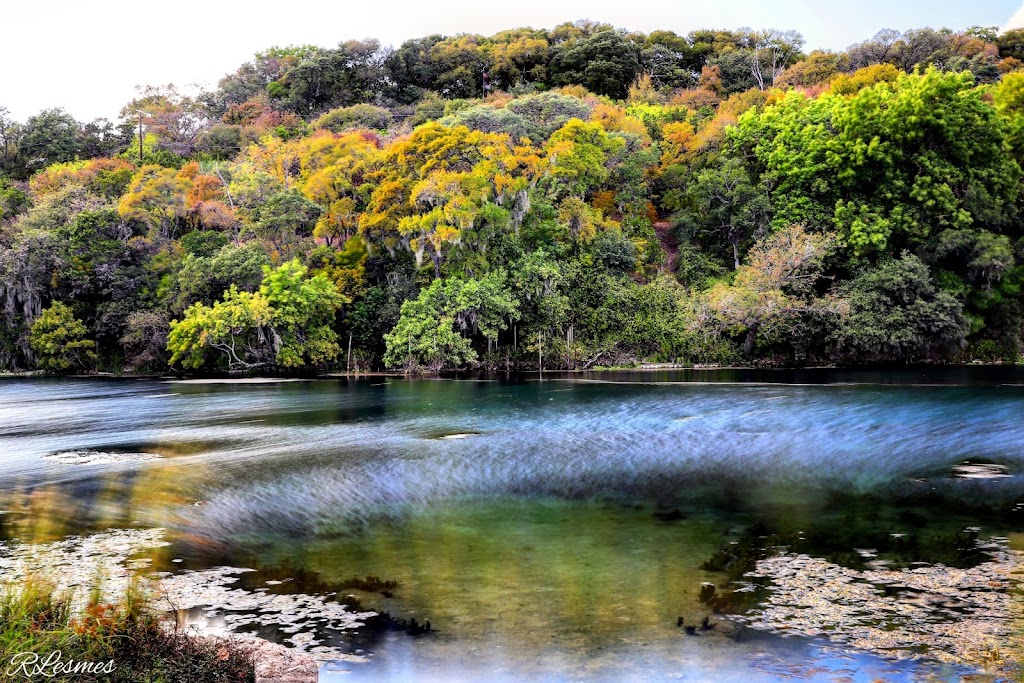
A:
{"x": 569, "y": 198}
{"x": 43, "y": 638}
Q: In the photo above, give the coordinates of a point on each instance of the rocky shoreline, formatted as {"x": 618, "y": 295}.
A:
{"x": 276, "y": 663}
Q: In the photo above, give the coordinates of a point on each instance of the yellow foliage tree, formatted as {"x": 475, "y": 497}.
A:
{"x": 156, "y": 197}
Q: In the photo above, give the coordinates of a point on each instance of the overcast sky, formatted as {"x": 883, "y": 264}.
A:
{"x": 88, "y": 56}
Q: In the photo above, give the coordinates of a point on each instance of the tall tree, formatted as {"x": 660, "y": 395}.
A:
{"x": 605, "y": 63}
{"x": 52, "y": 136}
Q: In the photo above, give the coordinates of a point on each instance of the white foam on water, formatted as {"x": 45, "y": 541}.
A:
{"x": 981, "y": 470}
{"x": 87, "y": 456}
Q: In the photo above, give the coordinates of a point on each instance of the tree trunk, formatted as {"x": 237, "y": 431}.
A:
{"x": 748, "y": 343}
{"x": 437, "y": 265}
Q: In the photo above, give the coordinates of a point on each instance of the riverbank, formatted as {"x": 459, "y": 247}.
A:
{"x": 127, "y": 642}
{"x": 91, "y": 597}
{"x": 972, "y": 374}
{"x": 256, "y": 378}
{"x": 47, "y": 634}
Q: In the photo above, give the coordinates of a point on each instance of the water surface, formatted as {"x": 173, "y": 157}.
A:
{"x": 553, "y": 529}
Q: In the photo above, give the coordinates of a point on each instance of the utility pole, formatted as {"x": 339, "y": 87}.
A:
{"x": 540, "y": 354}
{"x": 348, "y": 359}
{"x": 568, "y": 348}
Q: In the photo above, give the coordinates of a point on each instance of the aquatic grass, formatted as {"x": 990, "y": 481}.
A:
{"x": 33, "y": 619}
{"x": 37, "y": 620}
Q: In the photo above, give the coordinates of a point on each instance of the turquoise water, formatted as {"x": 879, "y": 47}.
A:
{"x": 551, "y": 529}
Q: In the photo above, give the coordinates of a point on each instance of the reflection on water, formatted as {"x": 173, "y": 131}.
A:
{"x": 553, "y": 529}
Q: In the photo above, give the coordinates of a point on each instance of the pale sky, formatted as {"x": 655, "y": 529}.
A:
{"x": 89, "y": 55}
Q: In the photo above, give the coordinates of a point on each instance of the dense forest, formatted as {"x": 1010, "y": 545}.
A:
{"x": 572, "y": 198}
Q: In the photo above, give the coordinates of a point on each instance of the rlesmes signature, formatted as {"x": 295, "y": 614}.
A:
{"x": 32, "y": 664}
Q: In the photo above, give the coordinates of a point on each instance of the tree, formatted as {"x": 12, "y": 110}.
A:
{"x": 284, "y": 218}
{"x": 58, "y": 339}
{"x": 605, "y": 63}
{"x": 1011, "y": 44}
{"x": 156, "y": 198}
{"x": 730, "y": 72}
{"x": 356, "y": 116}
{"x": 238, "y": 327}
{"x": 818, "y": 67}
{"x": 1008, "y": 98}
{"x": 220, "y": 141}
{"x": 898, "y": 314}
{"x": 776, "y": 287}
{"x": 10, "y": 132}
{"x": 771, "y": 51}
{"x": 665, "y": 63}
{"x": 549, "y": 111}
{"x": 174, "y": 120}
{"x": 100, "y": 138}
{"x": 145, "y": 341}
{"x": 288, "y": 322}
{"x": 443, "y": 188}
{"x": 410, "y": 69}
{"x": 517, "y": 57}
{"x": 322, "y": 79}
{"x": 725, "y": 203}
{"x": 302, "y": 315}
{"x": 432, "y": 331}
{"x": 12, "y": 200}
{"x": 460, "y": 64}
{"x": 204, "y": 279}
{"x": 880, "y": 49}
{"x": 891, "y": 166}
{"x": 52, "y": 136}
{"x": 105, "y": 178}
{"x": 577, "y": 155}
{"x": 852, "y": 83}
{"x": 490, "y": 120}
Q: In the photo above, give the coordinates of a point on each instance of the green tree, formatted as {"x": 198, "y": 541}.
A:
{"x": 286, "y": 217}
{"x": 288, "y": 322}
{"x": 50, "y": 137}
{"x": 890, "y": 166}
{"x": 435, "y": 329}
{"x": 302, "y": 314}
{"x": 898, "y": 314}
{"x": 1011, "y": 44}
{"x": 577, "y": 158}
{"x": 725, "y": 204}
{"x": 356, "y": 116}
{"x": 604, "y": 63}
{"x": 238, "y": 327}
{"x": 58, "y": 339}
{"x": 12, "y": 200}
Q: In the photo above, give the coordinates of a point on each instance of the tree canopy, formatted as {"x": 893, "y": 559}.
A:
{"x": 570, "y": 198}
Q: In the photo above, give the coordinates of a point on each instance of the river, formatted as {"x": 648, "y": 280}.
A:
{"x": 560, "y": 528}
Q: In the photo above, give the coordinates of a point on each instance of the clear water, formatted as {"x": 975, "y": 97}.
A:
{"x": 551, "y": 529}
